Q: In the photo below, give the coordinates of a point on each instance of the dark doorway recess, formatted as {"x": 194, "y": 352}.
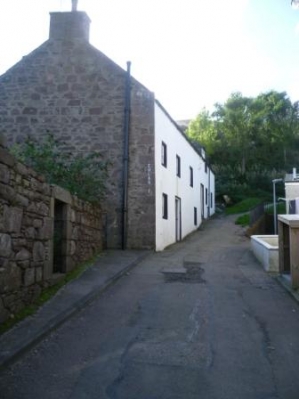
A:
{"x": 286, "y": 250}
{"x": 59, "y": 237}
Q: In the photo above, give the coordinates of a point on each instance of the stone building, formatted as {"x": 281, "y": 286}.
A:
{"x": 69, "y": 88}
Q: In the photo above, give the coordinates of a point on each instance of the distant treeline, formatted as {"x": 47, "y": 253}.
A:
{"x": 249, "y": 141}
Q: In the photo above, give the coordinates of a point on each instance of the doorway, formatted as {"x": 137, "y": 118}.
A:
{"x": 59, "y": 250}
{"x": 178, "y": 219}
{"x": 286, "y": 249}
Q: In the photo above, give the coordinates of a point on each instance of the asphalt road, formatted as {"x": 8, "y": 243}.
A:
{"x": 200, "y": 320}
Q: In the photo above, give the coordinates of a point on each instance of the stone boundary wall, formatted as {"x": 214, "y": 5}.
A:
{"x": 28, "y": 220}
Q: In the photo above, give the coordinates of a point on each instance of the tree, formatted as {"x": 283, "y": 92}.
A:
{"x": 249, "y": 139}
{"x": 279, "y": 128}
{"x": 202, "y": 130}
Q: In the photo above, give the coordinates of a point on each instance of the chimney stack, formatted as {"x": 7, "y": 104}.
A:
{"x": 69, "y": 26}
{"x": 294, "y": 174}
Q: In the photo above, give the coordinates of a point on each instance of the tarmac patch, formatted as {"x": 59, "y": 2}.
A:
{"x": 191, "y": 273}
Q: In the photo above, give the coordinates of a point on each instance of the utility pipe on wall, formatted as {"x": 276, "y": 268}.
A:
{"x": 209, "y": 193}
{"x": 126, "y": 155}
{"x": 274, "y": 203}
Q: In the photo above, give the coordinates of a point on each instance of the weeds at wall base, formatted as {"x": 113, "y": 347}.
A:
{"x": 46, "y": 295}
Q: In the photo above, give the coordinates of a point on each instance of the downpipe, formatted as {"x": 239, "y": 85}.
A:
{"x": 126, "y": 156}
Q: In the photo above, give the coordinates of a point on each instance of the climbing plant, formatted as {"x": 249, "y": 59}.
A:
{"x": 84, "y": 175}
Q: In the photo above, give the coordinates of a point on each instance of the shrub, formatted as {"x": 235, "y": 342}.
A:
{"x": 83, "y": 175}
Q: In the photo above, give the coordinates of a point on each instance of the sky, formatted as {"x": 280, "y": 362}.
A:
{"x": 190, "y": 53}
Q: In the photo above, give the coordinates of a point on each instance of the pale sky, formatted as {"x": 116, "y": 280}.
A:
{"x": 190, "y": 53}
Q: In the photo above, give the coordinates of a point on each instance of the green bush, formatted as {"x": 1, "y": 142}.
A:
{"x": 83, "y": 175}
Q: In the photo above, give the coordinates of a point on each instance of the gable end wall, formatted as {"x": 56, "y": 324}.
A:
{"x": 72, "y": 90}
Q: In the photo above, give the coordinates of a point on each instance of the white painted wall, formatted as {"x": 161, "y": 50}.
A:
{"x": 167, "y": 181}
{"x": 291, "y": 190}
{"x": 291, "y": 193}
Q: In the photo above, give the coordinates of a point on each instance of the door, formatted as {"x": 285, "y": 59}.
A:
{"x": 178, "y": 219}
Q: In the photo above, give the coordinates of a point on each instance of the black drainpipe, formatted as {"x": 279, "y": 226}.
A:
{"x": 209, "y": 194}
{"x": 126, "y": 155}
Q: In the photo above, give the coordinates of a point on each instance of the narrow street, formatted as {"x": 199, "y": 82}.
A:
{"x": 201, "y": 320}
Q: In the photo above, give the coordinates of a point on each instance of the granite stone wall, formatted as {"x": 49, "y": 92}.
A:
{"x": 141, "y": 190}
{"x": 70, "y": 89}
{"x": 28, "y": 220}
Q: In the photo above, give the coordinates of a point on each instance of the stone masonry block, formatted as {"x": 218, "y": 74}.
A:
{"x": 46, "y": 189}
{"x": 72, "y": 248}
{"x": 30, "y": 111}
{"x": 21, "y": 169}
{"x": 3, "y": 312}
{"x": 23, "y": 255}
{"x": 10, "y": 278}
{"x": 5, "y": 245}
{"x": 12, "y": 219}
{"x": 6, "y": 157}
{"x": 23, "y": 264}
{"x": 4, "y": 173}
{"x": 38, "y": 251}
{"x": 61, "y": 194}
{"x": 7, "y": 192}
{"x": 46, "y": 231}
{"x": 38, "y": 274}
{"x": 21, "y": 200}
{"x": 29, "y": 277}
{"x": 37, "y": 223}
{"x": 30, "y": 232}
{"x": 39, "y": 208}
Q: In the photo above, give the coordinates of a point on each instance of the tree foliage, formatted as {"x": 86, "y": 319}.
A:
{"x": 84, "y": 175}
{"x": 249, "y": 140}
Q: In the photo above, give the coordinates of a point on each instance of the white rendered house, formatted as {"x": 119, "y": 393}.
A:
{"x": 185, "y": 185}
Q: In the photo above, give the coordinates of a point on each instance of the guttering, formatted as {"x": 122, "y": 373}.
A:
{"x": 126, "y": 155}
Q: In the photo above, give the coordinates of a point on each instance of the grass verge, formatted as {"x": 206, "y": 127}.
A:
{"x": 243, "y": 206}
{"x": 45, "y": 295}
{"x": 280, "y": 209}
{"x": 243, "y": 220}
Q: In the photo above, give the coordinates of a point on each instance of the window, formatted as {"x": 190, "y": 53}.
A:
{"x": 178, "y": 166}
{"x": 211, "y": 200}
{"x": 164, "y": 206}
{"x": 195, "y": 216}
{"x": 206, "y": 196}
{"x": 164, "y": 154}
{"x": 206, "y": 167}
{"x": 191, "y": 176}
